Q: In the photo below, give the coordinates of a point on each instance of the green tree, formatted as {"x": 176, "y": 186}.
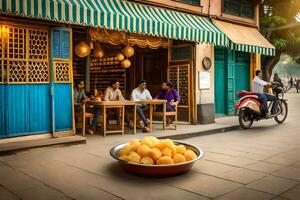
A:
{"x": 278, "y": 25}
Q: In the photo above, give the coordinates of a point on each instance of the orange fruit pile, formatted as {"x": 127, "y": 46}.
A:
{"x": 152, "y": 151}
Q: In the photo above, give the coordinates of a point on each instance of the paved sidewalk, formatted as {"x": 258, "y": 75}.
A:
{"x": 258, "y": 164}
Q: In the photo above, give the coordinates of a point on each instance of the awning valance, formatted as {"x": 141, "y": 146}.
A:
{"x": 122, "y": 16}
{"x": 246, "y": 39}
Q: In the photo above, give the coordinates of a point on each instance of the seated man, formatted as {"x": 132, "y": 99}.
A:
{"x": 258, "y": 87}
{"x": 113, "y": 93}
{"x": 79, "y": 98}
{"x": 140, "y": 94}
{"x": 170, "y": 94}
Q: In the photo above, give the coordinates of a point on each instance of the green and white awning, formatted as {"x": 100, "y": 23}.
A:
{"x": 122, "y": 16}
{"x": 246, "y": 39}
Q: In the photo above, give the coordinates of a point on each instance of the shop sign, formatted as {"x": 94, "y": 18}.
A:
{"x": 204, "y": 80}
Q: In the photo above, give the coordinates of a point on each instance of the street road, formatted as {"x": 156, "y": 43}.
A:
{"x": 256, "y": 164}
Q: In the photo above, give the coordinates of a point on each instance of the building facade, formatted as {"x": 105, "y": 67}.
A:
{"x": 207, "y": 49}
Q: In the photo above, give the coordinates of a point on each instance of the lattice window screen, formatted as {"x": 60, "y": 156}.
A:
{"x": 38, "y": 45}
{"x": 17, "y": 71}
{"x": 179, "y": 77}
{"x": 24, "y": 55}
{"x": 62, "y": 71}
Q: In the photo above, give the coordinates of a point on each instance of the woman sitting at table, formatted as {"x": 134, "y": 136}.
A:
{"x": 79, "y": 99}
{"x": 113, "y": 93}
{"x": 170, "y": 94}
{"x": 141, "y": 94}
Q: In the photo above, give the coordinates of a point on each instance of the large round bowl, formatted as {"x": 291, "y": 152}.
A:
{"x": 157, "y": 170}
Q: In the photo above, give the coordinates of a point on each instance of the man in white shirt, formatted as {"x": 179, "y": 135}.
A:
{"x": 113, "y": 93}
{"x": 258, "y": 87}
{"x": 140, "y": 94}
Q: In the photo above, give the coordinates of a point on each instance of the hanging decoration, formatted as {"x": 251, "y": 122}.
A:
{"x": 125, "y": 63}
{"x": 120, "y": 57}
{"x": 82, "y": 50}
{"x": 119, "y": 38}
{"x": 98, "y": 52}
{"x": 128, "y": 51}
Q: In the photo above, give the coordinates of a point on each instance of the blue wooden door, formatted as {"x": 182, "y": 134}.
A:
{"x": 242, "y": 71}
{"x": 220, "y": 80}
{"x": 24, "y": 89}
{"x": 2, "y": 113}
{"x": 61, "y": 83}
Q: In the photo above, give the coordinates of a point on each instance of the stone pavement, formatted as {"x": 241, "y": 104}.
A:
{"x": 257, "y": 164}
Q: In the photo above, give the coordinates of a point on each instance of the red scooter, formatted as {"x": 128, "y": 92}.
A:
{"x": 248, "y": 107}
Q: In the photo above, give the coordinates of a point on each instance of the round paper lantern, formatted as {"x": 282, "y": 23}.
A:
{"x": 82, "y": 49}
{"x": 128, "y": 51}
{"x": 98, "y": 52}
{"x": 120, "y": 57}
{"x": 125, "y": 63}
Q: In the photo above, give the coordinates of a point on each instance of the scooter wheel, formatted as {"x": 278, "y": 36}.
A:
{"x": 245, "y": 119}
{"x": 283, "y": 112}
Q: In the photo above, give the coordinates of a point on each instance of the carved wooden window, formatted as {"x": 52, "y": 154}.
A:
{"x": 62, "y": 72}
{"x": 24, "y": 55}
{"x": 179, "y": 76}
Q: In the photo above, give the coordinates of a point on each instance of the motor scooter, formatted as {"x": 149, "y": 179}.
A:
{"x": 248, "y": 107}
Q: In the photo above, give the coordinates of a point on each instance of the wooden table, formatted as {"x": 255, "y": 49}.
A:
{"x": 151, "y": 104}
{"x": 110, "y": 105}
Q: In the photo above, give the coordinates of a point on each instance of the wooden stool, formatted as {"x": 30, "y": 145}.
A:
{"x": 164, "y": 116}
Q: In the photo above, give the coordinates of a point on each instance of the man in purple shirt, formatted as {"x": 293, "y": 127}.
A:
{"x": 168, "y": 93}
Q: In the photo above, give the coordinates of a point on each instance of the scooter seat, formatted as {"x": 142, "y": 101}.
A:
{"x": 245, "y": 93}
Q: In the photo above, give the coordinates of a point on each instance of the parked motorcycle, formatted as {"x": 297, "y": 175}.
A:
{"x": 248, "y": 107}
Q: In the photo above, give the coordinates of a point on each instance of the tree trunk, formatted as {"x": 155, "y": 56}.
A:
{"x": 268, "y": 65}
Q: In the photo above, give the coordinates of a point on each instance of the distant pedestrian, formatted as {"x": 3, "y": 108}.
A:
{"x": 297, "y": 84}
{"x": 291, "y": 83}
{"x": 277, "y": 79}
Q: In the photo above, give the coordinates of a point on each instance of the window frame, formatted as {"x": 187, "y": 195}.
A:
{"x": 240, "y": 10}
{"x": 189, "y": 3}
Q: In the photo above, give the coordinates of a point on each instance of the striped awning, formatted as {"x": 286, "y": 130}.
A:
{"x": 120, "y": 15}
{"x": 246, "y": 39}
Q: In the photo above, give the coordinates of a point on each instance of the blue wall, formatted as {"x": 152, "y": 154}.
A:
{"x": 2, "y": 121}
{"x": 63, "y": 106}
{"x": 24, "y": 109}
{"x": 39, "y": 108}
{"x": 16, "y": 109}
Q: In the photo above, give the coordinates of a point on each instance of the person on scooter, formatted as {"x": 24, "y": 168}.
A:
{"x": 258, "y": 87}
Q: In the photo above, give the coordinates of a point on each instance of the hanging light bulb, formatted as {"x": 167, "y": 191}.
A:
{"x": 125, "y": 63}
{"x": 98, "y": 52}
{"x": 82, "y": 49}
{"x": 120, "y": 57}
{"x": 128, "y": 51}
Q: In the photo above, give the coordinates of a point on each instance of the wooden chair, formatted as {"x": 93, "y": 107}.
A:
{"x": 82, "y": 117}
{"x": 164, "y": 116}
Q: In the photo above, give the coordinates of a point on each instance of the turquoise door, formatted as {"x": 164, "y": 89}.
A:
{"x": 220, "y": 81}
{"x": 242, "y": 71}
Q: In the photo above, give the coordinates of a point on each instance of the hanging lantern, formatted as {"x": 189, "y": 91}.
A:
{"x": 98, "y": 52}
{"x": 120, "y": 57}
{"x": 82, "y": 49}
{"x": 125, "y": 63}
{"x": 128, "y": 51}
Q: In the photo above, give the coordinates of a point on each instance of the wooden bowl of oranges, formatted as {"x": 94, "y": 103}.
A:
{"x": 156, "y": 157}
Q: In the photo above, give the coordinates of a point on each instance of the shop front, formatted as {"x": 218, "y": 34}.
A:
{"x": 37, "y": 62}
{"x": 235, "y": 65}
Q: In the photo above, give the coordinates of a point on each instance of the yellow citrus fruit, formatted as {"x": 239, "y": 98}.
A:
{"x": 134, "y": 157}
{"x": 143, "y": 150}
{"x": 189, "y": 155}
{"x": 164, "y": 160}
{"x": 155, "y": 153}
{"x": 147, "y": 160}
{"x": 179, "y": 158}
